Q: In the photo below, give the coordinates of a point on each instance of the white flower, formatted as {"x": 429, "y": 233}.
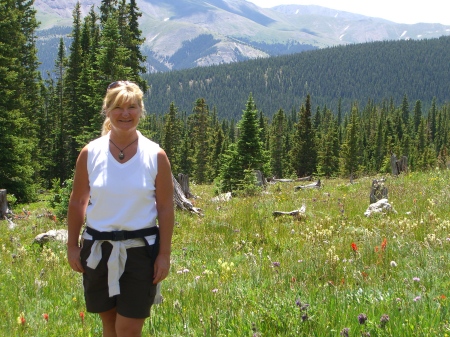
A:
{"x": 393, "y": 264}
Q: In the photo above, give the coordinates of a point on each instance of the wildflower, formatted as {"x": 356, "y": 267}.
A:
{"x": 305, "y": 317}
{"x": 417, "y": 298}
{"x": 384, "y": 244}
{"x": 393, "y": 264}
{"x": 416, "y": 279}
{"x": 21, "y": 319}
{"x": 362, "y": 318}
{"x": 276, "y": 264}
{"x": 354, "y": 247}
{"x": 45, "y": 316}
{"x": 383, "y": 320}
{"x": 215, "y": 290}
{"x": 344, "y": 332}
{"x": 82, "y": 316}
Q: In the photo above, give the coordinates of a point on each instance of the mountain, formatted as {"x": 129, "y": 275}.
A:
{"x": 189, "y": 33}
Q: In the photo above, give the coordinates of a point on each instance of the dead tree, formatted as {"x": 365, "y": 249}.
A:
{"x": 378, "y": 191}
{"x": 180, "y": 199}
{"x": 317, "y": 184}
{"x": 3, "y": 204}
{"x": 298, "y": 213}
{"x": 183, "y": 180}
{"x": 398, "y": 166}
{"x": 308, "y": 178}
{"x": 260, "y": 180}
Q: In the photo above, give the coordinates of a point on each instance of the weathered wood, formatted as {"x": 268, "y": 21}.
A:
{"x": 308, "y": 178}
{"x": 282, "y": 180}
{"x": 317, "y": 184}
{"x": 378, "y": 191}
{"x": 398, "y": 166}
{"x": 298, "y": 213}
{"x": 261, "y": 181}
{"x": 183, "y": 180}
{"x": 3, "y": 204}
{"x": 180, "y": 199}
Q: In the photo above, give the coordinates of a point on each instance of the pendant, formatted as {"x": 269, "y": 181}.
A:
{"x": 121, "y": 155}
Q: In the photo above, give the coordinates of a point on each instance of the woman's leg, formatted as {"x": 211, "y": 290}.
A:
{"x": 109, "y": 323}
{"x": 129, "y": 327}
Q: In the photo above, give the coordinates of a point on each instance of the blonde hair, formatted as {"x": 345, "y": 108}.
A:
{"x": 118, "y": 93}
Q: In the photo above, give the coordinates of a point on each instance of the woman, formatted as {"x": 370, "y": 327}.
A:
{"x": 122, "y": 185}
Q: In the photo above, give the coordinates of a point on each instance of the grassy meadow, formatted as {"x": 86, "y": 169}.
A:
{"x": 240, "y": 271}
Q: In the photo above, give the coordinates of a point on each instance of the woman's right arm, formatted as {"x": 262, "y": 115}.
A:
{"x": 78, "y": 201}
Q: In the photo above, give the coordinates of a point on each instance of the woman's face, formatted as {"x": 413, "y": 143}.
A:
{"x": 125, "y": 117}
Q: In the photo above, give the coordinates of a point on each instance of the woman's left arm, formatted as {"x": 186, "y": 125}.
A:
{"x": 166, "y": 216}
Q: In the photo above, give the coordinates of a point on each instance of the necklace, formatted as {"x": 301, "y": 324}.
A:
{"x": 121, "y": 154}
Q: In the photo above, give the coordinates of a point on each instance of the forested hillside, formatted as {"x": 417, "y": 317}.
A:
{"x": 341, "y": 111}
{"x": 377, "y": 71}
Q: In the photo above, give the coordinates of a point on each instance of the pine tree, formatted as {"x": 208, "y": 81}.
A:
{"x": 18, "y": 70}
{"x": 172, "y": 138}
{"x": 349, "y": 151}
{"x": 304, "y": 153}
{"x": 244, "y": 155}
{"x": 278, "y": 154}
{"x": 200, "y": 133}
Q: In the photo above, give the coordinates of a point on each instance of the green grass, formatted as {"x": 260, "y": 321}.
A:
{"x": 239, "y": 271}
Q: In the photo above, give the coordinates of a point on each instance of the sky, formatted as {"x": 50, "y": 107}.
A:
{"x": 399, "y": 11}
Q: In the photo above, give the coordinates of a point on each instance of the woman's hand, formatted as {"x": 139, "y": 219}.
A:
{"x": 73, "y": 256}
{"x": 162, "y": 267}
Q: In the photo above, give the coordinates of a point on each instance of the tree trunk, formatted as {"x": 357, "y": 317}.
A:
{"x": 180, "y": 199}
{"x": 183, "y": 180}
{"x": 378, "y": 191}
{"x": 313, "y": 185}
{"x": 3, "y": 204}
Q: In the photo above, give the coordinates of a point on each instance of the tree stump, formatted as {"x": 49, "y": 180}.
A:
{"x": 398, "y": 166}
{"x": 180, "y": 199}
{"x": 3, "y": 204}
{"x": 378, "y": 191}
{"x": 183, "y": 180}
{"x": 261, "y": 181}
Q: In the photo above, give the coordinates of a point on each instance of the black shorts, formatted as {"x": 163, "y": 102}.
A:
{"x": 137, "y": 291}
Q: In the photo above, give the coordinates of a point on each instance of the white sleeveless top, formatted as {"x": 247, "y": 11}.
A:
{"x": 122, "y": 196}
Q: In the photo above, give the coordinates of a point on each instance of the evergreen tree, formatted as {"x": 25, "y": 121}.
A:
{"x": 278, "y": 154}
{"x": 172, "y": 138}
{"x": 200, "y": 133}
{"x": 18, "y": 70}
{"x": 304, "y": 153}
{"x": 349, "y": 151}
{"x": 246, "y": 154}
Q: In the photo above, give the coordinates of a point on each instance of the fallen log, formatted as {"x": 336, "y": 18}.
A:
{"x": 298, "y": 213}
{"x": 308, "y": 178}
{"x": 282, "y": 180}
{"x": 317, "y": 184}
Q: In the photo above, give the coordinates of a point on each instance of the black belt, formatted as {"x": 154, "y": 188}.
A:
{"x": 122, "y": 235}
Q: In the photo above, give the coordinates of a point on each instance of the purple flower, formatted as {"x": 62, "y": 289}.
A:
{"x": 362, "y": 318}
{"x": 416, "y": 279}
{"x": 276, "y": 264}
{"x": 383, "y": 320}
{"x": 344, "y": 332}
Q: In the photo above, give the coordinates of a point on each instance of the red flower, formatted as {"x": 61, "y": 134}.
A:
{"x": 384, "y": 244}
{"x": 354, "y": 247}
{"x": 45, "y": 316}
{"x": 82, "y": 315}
